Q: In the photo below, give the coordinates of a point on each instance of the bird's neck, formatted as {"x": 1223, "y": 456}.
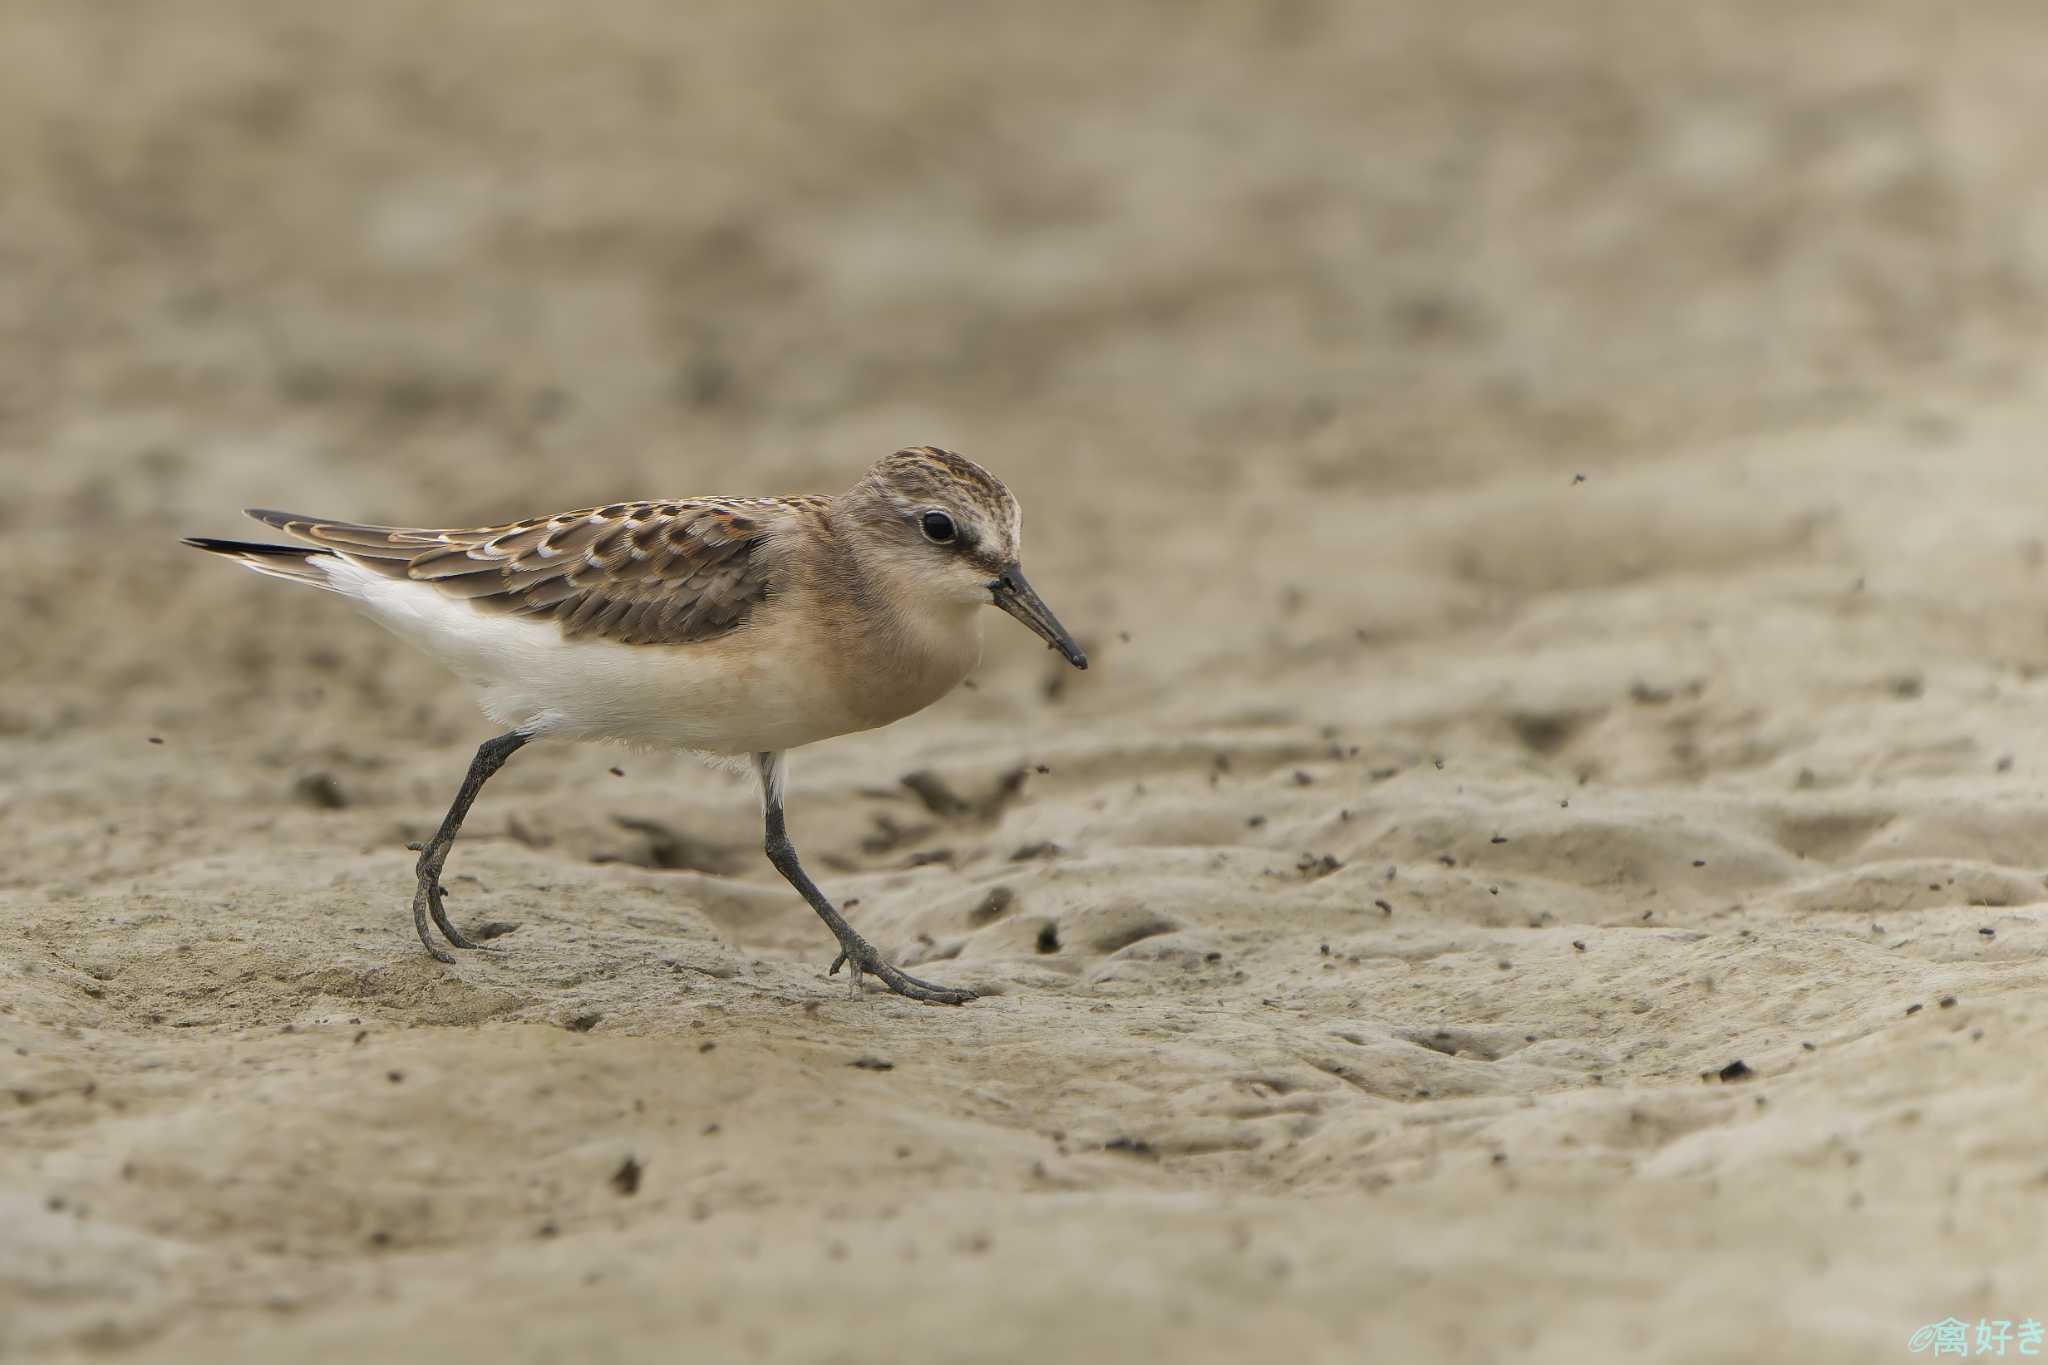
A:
{"x": 889, "y": 624}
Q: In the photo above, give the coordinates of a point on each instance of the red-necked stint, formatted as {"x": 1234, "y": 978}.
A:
{"x": 733, "y": 626}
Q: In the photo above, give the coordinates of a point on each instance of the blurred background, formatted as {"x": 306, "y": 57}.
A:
{"x": 1551, "y": 491}
{"x": 1208, "y": 283}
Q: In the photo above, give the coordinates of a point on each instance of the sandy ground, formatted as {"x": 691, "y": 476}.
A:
{"x": 1371, "y": 939}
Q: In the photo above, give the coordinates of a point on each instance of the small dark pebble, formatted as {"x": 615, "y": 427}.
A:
{"x": 1135, "y": 1146}
{"x": 998, "y": 899}
{"x": 1811, "y": 1047}
{"x": 937, "y": 795}
{"x": 496, "y": 928}
{"x": 626, "y": 1179}
{"x": 706, "y": 1047}
{"x": 320, "y": 791}
{"x": 394, "y": 1076}
{"x": 1736, "y": 1070}
{"x": 1302, "y": 779}
{"x": 1385, "y": 908}
{"x": 584, "y": 1023}
{"x": 1447, "y": 860}
{"x": 616, "y": 772}
{"x": 1255, "y": 821}
{"x": 1947, "y": 1002}
{"x": 1041, "y": 769}
{"x": 156, "y": 739}
{"x": 380, "y": 1239}
{"x": 1498, "y": 839}
{"x": 1580, "y": 944}
{"x": 1988, "y": 932}
{"x": 872, "y": 1064}
{"x": 548, "y": 1229}
{"x": 1046, "y": 849}
{"x": 1914, "y": 1009}
{"x": 360, "y": 1035}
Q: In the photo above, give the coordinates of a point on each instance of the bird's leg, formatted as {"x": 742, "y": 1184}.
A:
{"x": 855, "y": 951}
{"x": 426, "y": 900}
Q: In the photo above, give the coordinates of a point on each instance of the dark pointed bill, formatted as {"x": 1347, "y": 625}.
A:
{"x": 1015, "y": 596}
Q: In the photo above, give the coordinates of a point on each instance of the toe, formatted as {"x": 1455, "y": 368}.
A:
{"x": 906, "y": 985}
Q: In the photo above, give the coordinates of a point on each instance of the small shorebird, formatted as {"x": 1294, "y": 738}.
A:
{"x": 730, "y": 626}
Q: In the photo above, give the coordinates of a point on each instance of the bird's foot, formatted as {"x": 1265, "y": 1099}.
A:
{"x": 426, "y": 901}
{"x": 860, "y": 955}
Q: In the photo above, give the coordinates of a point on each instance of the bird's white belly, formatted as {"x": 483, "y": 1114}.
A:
{"x": 691, "y": 696}
{"x": 746, "y": 692}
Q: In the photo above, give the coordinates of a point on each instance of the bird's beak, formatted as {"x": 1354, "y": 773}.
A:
{"x": 1015, "y": 596}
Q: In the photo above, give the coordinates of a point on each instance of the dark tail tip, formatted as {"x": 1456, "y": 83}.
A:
{"x": 250, "y": 547}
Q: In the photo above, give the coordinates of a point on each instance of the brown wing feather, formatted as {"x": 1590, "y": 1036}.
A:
{"x": 386, "y": 549}
{"x": 640, "y": 573}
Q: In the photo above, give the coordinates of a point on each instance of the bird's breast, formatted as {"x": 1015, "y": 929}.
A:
{"x": 887, "y": 674}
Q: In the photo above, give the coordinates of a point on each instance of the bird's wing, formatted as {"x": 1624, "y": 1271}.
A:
{"x": 639, "y": 573}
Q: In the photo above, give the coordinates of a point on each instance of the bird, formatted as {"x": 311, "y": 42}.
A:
{"x": 736, "y": 628}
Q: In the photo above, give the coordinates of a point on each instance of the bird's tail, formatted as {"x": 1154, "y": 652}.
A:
{"x": 279, "y": 561}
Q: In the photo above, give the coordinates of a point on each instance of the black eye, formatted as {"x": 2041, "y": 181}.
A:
{"x": 938, "y": 528}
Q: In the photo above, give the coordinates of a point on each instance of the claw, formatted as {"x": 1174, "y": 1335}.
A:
{"x": 431, "y": 890}
{"x": 863, "y": 958}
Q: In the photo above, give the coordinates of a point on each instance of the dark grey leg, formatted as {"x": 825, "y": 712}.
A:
{"x": 490, "y": 756}
{"x": 855, "y": 951}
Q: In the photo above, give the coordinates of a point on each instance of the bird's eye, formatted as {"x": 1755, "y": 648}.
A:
{"x": 938, "y": 528}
